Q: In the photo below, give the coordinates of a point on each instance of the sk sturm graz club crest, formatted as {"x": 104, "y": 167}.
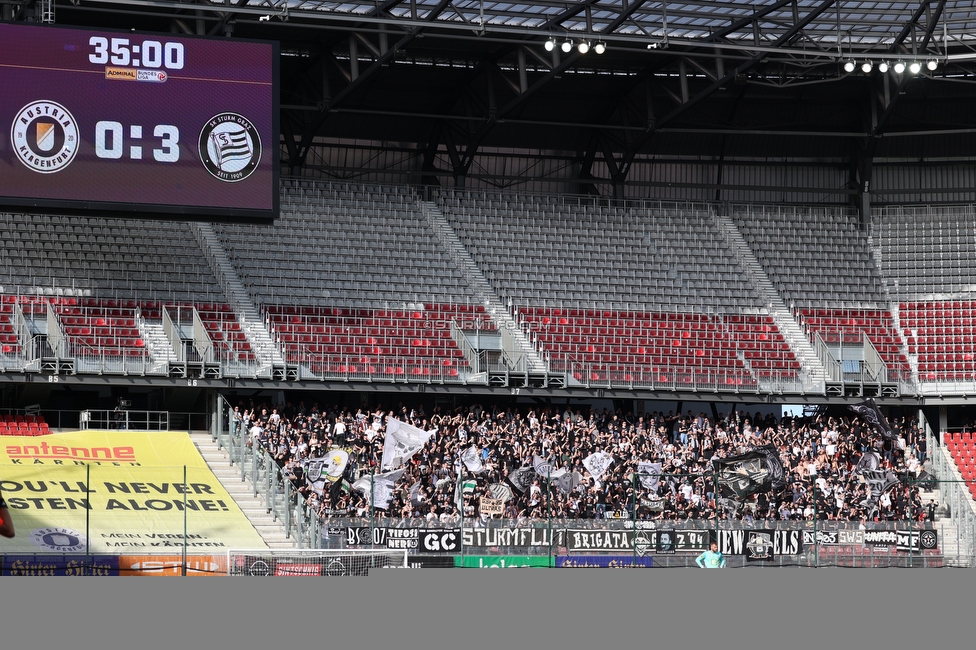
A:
{"x": 230, "y": 147}
{"x": 44, "y": 136}
{"x": 760, "y": 547}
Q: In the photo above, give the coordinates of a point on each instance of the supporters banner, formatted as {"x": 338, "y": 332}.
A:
{"x": 491, "y": 507}
{"x": 603, "y": 561}
{"x": 757, "y": 470}
{"x": 910, "y": 541}
{"x": 502, "y": 561}
{"x": 383, "y": 537}
{"x": 665, "y": 544}
{"x": 111, "y": 492}
{"x": 438, "y": 540}
{"x": 760, "y": 544}
{"x": 869, "y": 411}
{"x": 821, "y": 537}
{"x": 641, "y": 542}
{"x": 916, "y": 541}
{"x": 512, "y": 537}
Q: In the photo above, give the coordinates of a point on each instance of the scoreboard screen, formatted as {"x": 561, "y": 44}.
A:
{"x": 99, "y": 122}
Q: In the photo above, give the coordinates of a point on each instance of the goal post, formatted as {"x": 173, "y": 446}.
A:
{"x": 311, "y": 562}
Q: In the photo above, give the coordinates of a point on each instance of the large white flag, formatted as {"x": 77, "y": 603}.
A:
{"x": 649, "y": 475}
{"x": 402, "y": 442}
{"x": 471, "y": 458}
{"x": 597, "y": 463}
{"x": 382, "y": 487}
{"x": 541, "y": 466}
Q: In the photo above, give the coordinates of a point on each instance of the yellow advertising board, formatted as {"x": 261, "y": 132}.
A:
{"x": 117, "y": 492}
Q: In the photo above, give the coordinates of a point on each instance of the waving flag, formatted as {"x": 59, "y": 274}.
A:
{"x": 597, "y": 463}
{"x": 402, "y": 442}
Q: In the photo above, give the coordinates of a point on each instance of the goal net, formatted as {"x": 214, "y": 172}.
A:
{"x": 311, "y": 562}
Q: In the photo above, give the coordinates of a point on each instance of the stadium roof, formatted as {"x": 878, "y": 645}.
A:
{"x": 728, "y": 79}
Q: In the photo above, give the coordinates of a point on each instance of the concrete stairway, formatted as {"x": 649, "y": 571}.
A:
{"x": 250, "y": 319}
{"x": 160, "y": 349}
{"x": 271, "y": 531}
{"x": 482, "y": 288}
{"x": 781, "y": 314}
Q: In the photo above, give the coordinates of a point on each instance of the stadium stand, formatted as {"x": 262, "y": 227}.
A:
{"x": 962, "y": 446}
{"x": 23, "y": 425}
{"x": 376, "y": 342}
{"x": 361, "y": 253}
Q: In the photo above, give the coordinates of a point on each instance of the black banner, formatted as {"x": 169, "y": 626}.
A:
{"x": 399, "y": 539}
{"x": 913, "y": 541}
{"x": 665, "y": 542}
{"x": 439, "y": 540}
{"x": 760, "y": 546}
{"x": 916, "y": 541}
{"x": 780, "y": 542}
{"x": 821, "y": 537}
{"x": 512, "y": 537}
{"x": 646, "y": 541}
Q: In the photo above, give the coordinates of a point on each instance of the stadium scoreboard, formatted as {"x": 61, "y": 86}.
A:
{"x": 136, "y": 124}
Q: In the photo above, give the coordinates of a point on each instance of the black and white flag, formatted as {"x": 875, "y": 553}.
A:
{"x": 649, "y": 475}
{"x": 879, "y": 481}
{"x": 415, "y": 497}
{"x": 378, "y": 488}
{"x": 471, "y": 458}
{"x": 871, "y": 414}
{"x": 522, "y": 478}
{"x": 598, "y": 463}
{"x": 869, "y": 461}
{"x": 568, "y": 481}
{"x": 402, "y": 442}
{"x": 500, "y": 491}
{"x": 758, "y": 470}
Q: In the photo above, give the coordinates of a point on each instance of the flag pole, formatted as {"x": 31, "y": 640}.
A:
{"x": 549, "y": 509}
{"x": 633, "y": 511}
{"x": 372, "y": 505}
{"x": 460, "y": 489}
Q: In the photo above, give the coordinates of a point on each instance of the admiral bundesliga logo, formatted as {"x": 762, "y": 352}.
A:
{"x": 230, "y": 147}
{"x": 45, "y": 136}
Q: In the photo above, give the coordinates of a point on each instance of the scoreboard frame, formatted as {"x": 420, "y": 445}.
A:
{"x": 135, "y": 61}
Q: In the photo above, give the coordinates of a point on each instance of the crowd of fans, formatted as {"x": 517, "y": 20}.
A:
{"x": 819, "y": 454}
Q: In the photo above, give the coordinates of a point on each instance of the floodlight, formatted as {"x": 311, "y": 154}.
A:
{"x": 566, "y": 46}
{"x": 883, "y": 67}
{"x": 849, "y": 66}
{"x": 899, "y": 67}
{"x": 932, "y": 65}
{"x": 915, "y": 67}
{"x": 600, "y": 47}
{"x": 583, "y": 47}
{"x": 550, "y": 45}
{"x": 866, "y": 67}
